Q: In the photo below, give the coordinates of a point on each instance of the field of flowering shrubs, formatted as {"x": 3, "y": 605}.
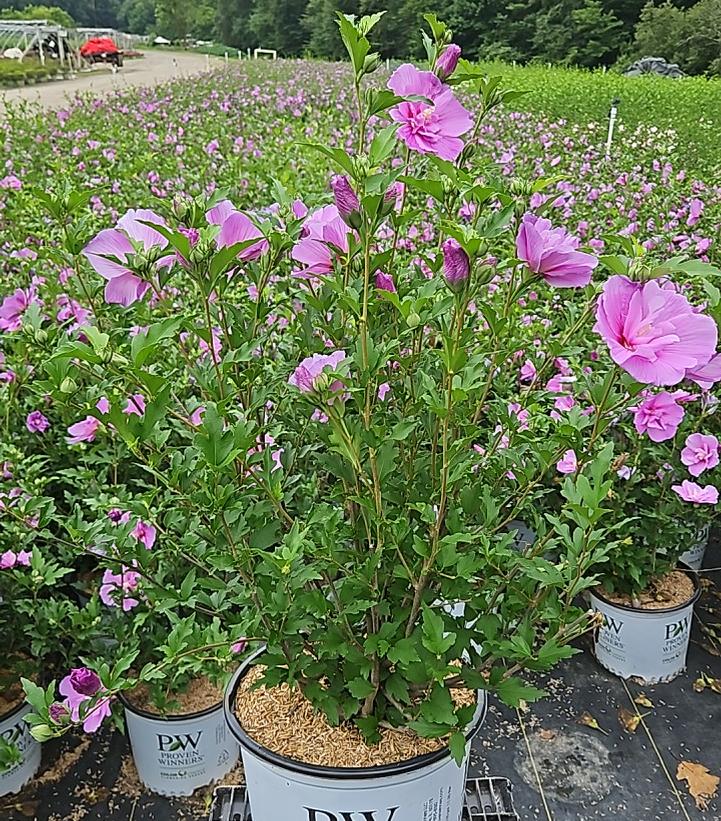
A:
{"x": 284, "y": 361}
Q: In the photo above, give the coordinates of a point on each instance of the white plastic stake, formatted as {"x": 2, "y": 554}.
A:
{"x": 611, "y": 126}
{"x": 226, "y": 58}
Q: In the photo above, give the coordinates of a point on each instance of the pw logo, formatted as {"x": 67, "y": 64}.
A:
{"x": 13, "y": 734}
{"x": 612, "y": 624}
{"x": 170, "y": 743}
{"x": 677, "y": 628}
{"x": 357, "y": 815}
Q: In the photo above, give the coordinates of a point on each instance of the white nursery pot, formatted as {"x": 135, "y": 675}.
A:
{"x": 649, "y": 645}
{"x": 176, "y": 754}
{"x": 15, "y": 730}
{"x": 693, "y": 557}
{"x": 430, "y": 787}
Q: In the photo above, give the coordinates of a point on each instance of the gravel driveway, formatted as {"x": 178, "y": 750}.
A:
{"x": 154, "y": 67}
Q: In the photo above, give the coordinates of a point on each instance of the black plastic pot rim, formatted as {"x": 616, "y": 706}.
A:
{"x": 14, "y": 710}
{"x": 692, "y": 574}
{"x": 317, "y": 770}
{"x": 139, "y": 711}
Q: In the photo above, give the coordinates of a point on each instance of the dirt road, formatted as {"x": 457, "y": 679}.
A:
{"x": 155, "y": 67}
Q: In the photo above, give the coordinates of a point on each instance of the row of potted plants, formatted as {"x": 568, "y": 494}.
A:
{"x": 371, "y": 481}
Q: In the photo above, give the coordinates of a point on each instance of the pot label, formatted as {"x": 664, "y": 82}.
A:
{"x": 366, "y": 815}
{"x": 16, "y": 731}
{"x": 643, "y": 644}
{"x": 431, "y": 793}
{"x": 176, "y": 757}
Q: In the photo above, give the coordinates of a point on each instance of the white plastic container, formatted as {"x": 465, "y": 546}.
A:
{"x": 15, "y": 730}
{"x": 426, "y": 788}
{"x": 693, "y": 557}
{"x": 176, "y": 754}
{"x": 648, "y": 645}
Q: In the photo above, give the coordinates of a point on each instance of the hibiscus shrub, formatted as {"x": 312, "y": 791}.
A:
{"x": 333, "y": 421}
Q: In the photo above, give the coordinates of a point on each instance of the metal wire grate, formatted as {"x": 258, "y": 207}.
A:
{"x": 487, "y": 799}
{"x": 230, "y": 804}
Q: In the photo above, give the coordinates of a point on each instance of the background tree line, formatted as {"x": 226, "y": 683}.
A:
{"x": 585, "y": 33}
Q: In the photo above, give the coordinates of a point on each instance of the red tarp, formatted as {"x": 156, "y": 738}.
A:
{"x": 98, "y": 45}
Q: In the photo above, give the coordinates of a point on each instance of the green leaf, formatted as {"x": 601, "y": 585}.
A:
{"x": 435, "y": 639}
{"x": 403, "y": 652}
{"x": 457, "y": 747}
{"x": 34, "y": 695}
{"x": 144, "y": 344}
{"x": 384, "y": 142}
{"x": 439, "y": 708}
{"x": 340, "y": 157}
{"x": 428, "y": 729}
{"x": 513, "y": 691}
{"x": 360, "y": 688}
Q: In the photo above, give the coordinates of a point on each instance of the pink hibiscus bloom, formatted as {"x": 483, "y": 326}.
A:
{"x": 568, "y": 463}
{"x": 553, "y": 253}
{"x": 37, "y": 422}
{"x": 83, "y": 431}
{"x": 144, "y": 533}
{"x": 700, "y": 453}
{"x": 691, "y": 492}
{"x": 13, "y": 307}
{"x": 306, "y": 376}
{"x": 111, "y": 252}
{"x": 434, "y": 123}
{"x": 659, "y": 416}
{"x": 237, "y": 227}
{"x": 118, "y": 586}
{"x": 707, "y": 375}
{"x": 654, "y": 333}
{"x": 79, "y": 688}
{"x": 325, "y": 235}
{"x": 528, "y": 371}
{"x": 135, "y": 405}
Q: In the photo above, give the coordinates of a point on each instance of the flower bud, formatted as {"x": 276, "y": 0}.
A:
{"x": 346, "y": 201}
{"x": 68, "y": 385}
{"x": 448, "y": 61}
{"x": 41, "y": 732}
{"x": 390, "y": 198}
{"x": 371, "y": 63}
{"x": 456, "y": 265}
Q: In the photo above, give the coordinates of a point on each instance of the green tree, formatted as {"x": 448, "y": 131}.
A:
{"x": 578, "y": 32}
{"x": 232, "y": 23}
{"x": 277, "y": 24}
{"x": 52, "y": 13}
{"x": 397, "y": 34}
{"x": 137, "y": 16}
{"x": 178, "y": 19}
{"x": 321, "y": 26}
{"x": 661, "y": 31}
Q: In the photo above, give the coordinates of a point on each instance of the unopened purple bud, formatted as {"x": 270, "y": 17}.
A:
{"x": 85, "y": 681}
{"x": 394, "y": 190}
{"x": 447, "y": 62}
{"x": 58, "y": 712}
{"x": 456, "y": 265}
{"x": 346, "y": 201}
{"x": 384, "y": 282}
{"x": 390, "y": 198}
